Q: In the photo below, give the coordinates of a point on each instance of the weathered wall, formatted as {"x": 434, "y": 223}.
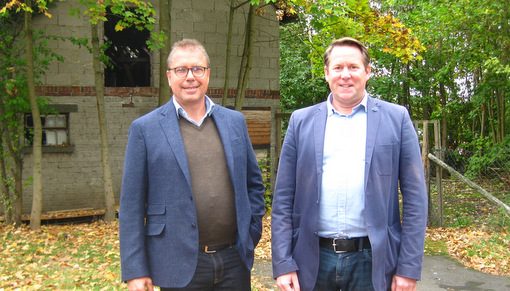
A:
{"x": 74, "y": 180}
{"x": 205, "y": 20}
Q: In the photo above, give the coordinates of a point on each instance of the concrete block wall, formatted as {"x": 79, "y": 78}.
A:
{"x": 76, "y": 69}
{"x": 74, "y": 180}
{"x": 205, "y": 20}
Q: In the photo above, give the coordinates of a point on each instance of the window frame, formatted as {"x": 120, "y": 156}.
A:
{"x": 53, "y": 110}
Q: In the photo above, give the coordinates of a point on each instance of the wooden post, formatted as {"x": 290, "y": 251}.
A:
{"x": 436, "y": 218}
{"x": 278, "y": 136}
{"x": 439, "y": 172}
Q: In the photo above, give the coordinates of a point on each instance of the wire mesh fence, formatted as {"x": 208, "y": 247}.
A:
{"x": 489, "y": 164}
{"x": 464, "y": 206}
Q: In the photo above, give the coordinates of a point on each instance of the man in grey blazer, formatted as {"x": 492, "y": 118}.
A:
{"x": 192, "y": 202}
{"x": 336, "y": 221}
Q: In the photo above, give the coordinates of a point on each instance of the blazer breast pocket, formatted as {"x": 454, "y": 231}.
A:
{"x": 384, "y": 158}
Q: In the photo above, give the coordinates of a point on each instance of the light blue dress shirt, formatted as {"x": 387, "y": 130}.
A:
{"x": 342, "y": 201}
{"x": 209, "y": 104}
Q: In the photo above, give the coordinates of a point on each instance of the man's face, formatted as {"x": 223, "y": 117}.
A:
{"x": 188, "y": 90}
{"x": 347, "y": 77}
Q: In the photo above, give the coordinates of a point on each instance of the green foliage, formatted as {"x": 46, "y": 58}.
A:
{"x": 265, "y": 168}
{"x": 302, "y": 45}
{"x": 464, "y": 76}
{"x": 132, "y": 13}
{"x": 13, "y": 82}
{"x": 299, "y": 87}
{"x": 14, "y": 100}
{"x": 489, "y": 157}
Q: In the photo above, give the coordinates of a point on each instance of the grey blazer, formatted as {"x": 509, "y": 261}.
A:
{"x": 392, "y": 157}
{"x": 158, "y": 222}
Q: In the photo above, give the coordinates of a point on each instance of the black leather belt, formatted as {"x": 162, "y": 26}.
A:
{"x": 216, "y": 248}
{"x": 340, "y": 245}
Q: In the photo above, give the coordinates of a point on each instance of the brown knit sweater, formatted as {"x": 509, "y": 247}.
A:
{"x": 210, "y": 183}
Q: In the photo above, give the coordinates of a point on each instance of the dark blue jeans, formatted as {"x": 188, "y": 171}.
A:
{"x": 222, "y": 270}
{"x": 350, "y": 271}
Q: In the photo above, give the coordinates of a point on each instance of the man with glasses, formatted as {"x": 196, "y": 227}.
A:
{"x": 191, "y": 203}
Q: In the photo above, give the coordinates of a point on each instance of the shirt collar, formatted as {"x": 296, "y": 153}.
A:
{"x": 361, "y": 106}
{"x": 209, "y": 105}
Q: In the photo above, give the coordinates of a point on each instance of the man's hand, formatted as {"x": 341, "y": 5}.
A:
{"x": 288, "y": 282}
{"x": 140, "y": 284}
{"x": 403, "y": 284}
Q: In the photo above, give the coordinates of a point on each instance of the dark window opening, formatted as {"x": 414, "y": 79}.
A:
{"x": 128, "y": 54}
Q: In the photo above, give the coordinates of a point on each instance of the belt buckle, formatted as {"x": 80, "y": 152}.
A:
{"x": 207, "y": 251}
{"x": 334, "y": 246}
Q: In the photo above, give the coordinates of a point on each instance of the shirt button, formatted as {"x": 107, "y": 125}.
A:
{"x": 193, "y": 226}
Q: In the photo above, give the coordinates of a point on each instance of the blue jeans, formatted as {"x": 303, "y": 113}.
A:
{"x": 222, "y": 270}
{"x": 350, "y": 271}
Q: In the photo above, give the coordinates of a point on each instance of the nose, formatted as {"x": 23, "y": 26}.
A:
{"x": 345, "y": 73}
{"x": 190, "y": 75}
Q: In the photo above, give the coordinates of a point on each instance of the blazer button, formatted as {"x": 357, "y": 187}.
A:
{"x": 193, "y": 226}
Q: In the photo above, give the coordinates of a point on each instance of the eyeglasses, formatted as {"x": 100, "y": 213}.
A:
{"x": 182, "y": 72}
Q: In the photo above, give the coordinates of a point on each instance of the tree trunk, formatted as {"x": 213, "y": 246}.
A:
{"x": 103, "y": 128}
{"x": 228, "y": 53}
{"x": 246, "y": 61}
{"x": 4, "y": 184}
{"x": 13, "y": 200}
{"x": 17, "y": 194}
{"x": 500, "y": 113}
{"x": 165, "y": 23}
{"x": 35, "y": 216}
{"x": 492, "y": 115}
{"x": 444, "y": 118}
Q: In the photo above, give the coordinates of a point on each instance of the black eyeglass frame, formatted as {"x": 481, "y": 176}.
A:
{"x": 192, "y": 69}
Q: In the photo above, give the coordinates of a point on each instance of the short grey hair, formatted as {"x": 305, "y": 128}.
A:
{"x": 187, "y": 43}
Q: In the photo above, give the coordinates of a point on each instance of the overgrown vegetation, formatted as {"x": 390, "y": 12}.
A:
{"x": 265, "y": 168}
{"x": 476, "y": 231}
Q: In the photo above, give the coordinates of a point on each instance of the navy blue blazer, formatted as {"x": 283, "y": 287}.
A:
{"x": 392, "y": 158}
{"x": 158, "y": 221}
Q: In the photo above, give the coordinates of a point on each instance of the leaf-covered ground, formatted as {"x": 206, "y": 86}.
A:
{"x": 477, "y": 249}
{"x": 71, "y": 257}
{"x": 60, "y": 257}
{"x": 86, "y": 256}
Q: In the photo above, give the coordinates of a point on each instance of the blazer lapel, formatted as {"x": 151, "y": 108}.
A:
{"x": 170, "y": 124}
{"x": 222, "y": 125}
{"x": 373, "y": 120}
{"x": 319, "y": 132}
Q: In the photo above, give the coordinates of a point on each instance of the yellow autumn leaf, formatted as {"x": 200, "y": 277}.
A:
{"x": 119, "y": 27}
